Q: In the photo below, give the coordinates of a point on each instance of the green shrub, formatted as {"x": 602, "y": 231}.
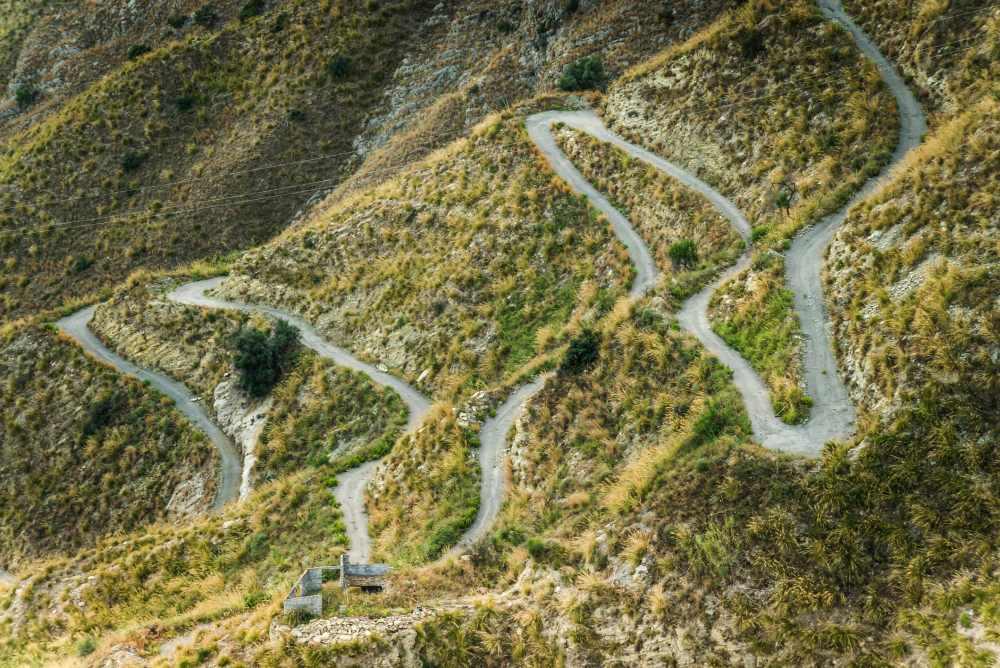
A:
{"x": 584, "y": 74}
{"x": 505, "y": 26}
{"x": 177, "y": 21}
{"x": 102, "y": 412}
{"x": 536, "y": 548}
{"x": 80, "y": 263}
{"x": 339, "y": 66}
{"x": 133, "y": 160}
{"x": 262, "y": 359}
{"x": 683, "y": 254}
{"x": 251, "y": 9}
{"x": 582, "y": 352}
{"x": 254, "y": 598}
{"x": 751, "y": 43}
{"x": 137, "y": 50}
{"x": 86, "y": 647}
{"x": 25, "y": 95}
{"x": 206, "y": 16}
{"x": 185, "y": 102}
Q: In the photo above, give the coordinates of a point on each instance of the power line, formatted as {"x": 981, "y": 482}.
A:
{"x": 168, "y": 184}
{"x": 222, "y": 200}
{"x": 228, "y": 201}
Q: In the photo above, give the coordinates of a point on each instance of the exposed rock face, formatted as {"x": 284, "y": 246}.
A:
{"x": 242, "y": 417}
{"x": 190, "y": 497}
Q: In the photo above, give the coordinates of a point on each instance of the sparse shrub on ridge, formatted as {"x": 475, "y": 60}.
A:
{"x": 137, "y": 50}
{"x": 251, "y": 9}
{"x": 339, "y": 66}
{"x": 206, "y": 16}
{"x": 25, "y": 95}
{"x": 133, "y": 160}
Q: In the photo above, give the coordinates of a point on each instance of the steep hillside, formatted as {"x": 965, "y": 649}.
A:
{"x": 947, "y": 49}
{"x": 86, "y": 452}
{"x": 774, "y": 106}
{"x": 162, "y": 132}
{"x": 643, "y": 523}
{"x": 914, "y": 280}
{"x": 172, "y": 154}
{"x": 454, "y": 274}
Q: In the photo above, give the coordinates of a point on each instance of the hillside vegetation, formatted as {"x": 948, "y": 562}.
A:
{"x": 455, "y": 274}
{"x": 165, "y": 159}
{"x": 690, "y": 240}
{"x": 913, "y": 277}
{"x": 775, "y": 107}
{"x": 87, "y": 450}
{"x": 948, "y": 50}
{"x": 643, "y": 526}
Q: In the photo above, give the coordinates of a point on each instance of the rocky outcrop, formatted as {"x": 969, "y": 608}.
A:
{"x": 242, "y": 418}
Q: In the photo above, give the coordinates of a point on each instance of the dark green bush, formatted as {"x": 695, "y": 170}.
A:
{"x": 339, "y": 66}
{"x": 751, "y": 43}
{"x": 206, "y": 16}
{"x": 251, "y": 9}
{"x": 536, "y": 548}
{"x": 86, "y": 647}
{"x": 586, "y": 73}
{"x": 254, "y": 598}
{"x": 81, "y": 263}
{"x": 262, "y": 359}
{"x": 102, "y": 412}
{"x": 177, "y": 21}
{"x": 137, "y": 50}
{"x": 505, "y": 26}
{"x": 683, "y": 254}
{"x": 582, "y": 352}
{"x": 133, "y": 160}
{"x": 25, "y": 95}
{"x": 185, "y": 102}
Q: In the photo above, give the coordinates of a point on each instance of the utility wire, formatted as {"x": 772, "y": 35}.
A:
{"x": 179, "y": 210}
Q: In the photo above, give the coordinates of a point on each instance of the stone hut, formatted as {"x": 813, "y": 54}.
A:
{"x": 370, "y": 577}
{"x": 306, "y": 594}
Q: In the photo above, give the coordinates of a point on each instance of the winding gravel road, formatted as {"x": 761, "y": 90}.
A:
{"x": 350, "y": 490}
{"x": 833, "y": 415}
{"x": 76, "y": 327}
{"x": 493, "y": 441}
